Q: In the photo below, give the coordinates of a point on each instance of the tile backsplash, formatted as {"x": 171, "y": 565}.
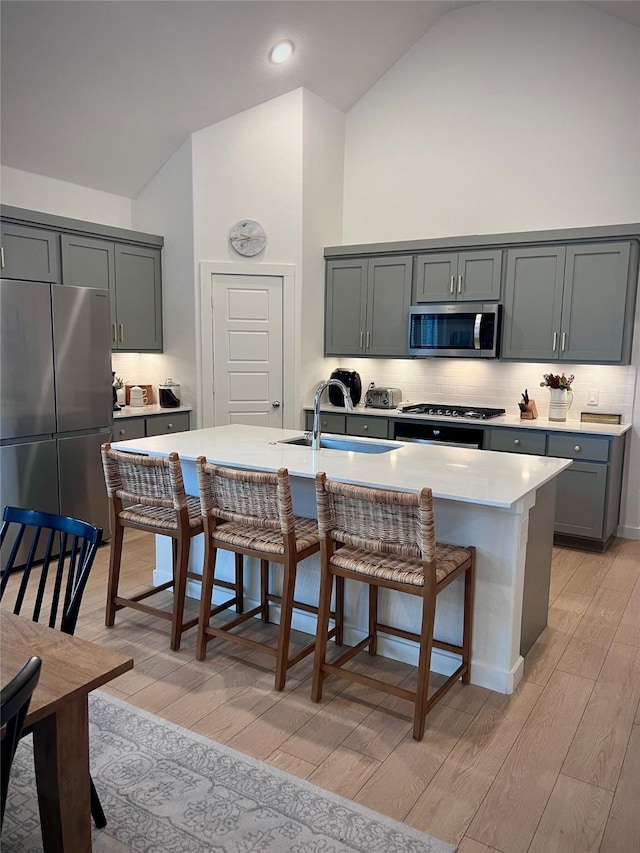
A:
{"x": 498, "y": 383}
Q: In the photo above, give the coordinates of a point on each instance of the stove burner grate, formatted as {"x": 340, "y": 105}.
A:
{"x": 447, "y": 411}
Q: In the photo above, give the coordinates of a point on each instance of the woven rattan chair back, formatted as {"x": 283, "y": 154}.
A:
{"x": 255, "y": 498}
{"x": 250, "y": 513}
{"x": 396, "y": 523}
{"x": 147, "y": 480}
{"x": 386, "y": 539}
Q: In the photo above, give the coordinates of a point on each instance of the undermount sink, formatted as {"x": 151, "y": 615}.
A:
{"x": 342, "y": 444}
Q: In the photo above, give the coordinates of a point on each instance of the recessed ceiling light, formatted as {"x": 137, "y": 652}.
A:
{"x": 281, "y": 51}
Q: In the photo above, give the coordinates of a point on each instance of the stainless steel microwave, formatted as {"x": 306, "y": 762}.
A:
{"x": 457, "y": 330}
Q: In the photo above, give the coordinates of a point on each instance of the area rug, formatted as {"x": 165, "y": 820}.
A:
{"x": 167, "y": 790}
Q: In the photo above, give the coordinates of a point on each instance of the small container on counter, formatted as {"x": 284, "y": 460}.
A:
{"x": 169, "y": 394}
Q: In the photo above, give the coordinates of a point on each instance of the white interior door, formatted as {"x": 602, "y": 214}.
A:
{"x": 247, "y": 349}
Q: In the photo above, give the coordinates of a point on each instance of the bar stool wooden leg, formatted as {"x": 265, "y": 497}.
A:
{"x": 115, "y": 559}
{"x": 208, "y": 570}
{"x": 339, "y": 610}
{"x": 373, "y": 619}
{"x": 469, "y": 590}
{"x": 179, "y": 590}
{"x": 324, "y": 607}
{"x": 424, "y": 663}
{"x": 239, "y": 590}
{"x": 264, "y": 589}
{"x": 286, "y": 614}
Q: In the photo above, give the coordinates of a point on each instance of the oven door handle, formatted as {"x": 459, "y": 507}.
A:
{"x": 476, "y": 331}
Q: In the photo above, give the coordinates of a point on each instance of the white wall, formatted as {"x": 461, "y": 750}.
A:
{"x": 323, "y": 175}
{"x": 165, "y": 206}
{"x": 503, "y": 117}
{"x": 49, "y": 195}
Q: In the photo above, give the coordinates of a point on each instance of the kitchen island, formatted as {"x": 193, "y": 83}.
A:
{"x": 501, "y": 503}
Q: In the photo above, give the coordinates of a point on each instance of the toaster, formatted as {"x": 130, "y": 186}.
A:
{"x": 383, "y": 398}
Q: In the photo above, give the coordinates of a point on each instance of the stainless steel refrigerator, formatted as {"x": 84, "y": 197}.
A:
{"x": 56, "y": 406}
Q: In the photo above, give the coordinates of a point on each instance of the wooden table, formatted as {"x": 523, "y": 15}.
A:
{"x": 59, "y": 715}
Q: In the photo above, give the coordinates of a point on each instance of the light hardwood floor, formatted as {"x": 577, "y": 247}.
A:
{"x": 555, "y": 767}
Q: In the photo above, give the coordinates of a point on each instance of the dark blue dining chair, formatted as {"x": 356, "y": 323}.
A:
{"x": 14, "y": 704}
{"x": 54, "y": 554}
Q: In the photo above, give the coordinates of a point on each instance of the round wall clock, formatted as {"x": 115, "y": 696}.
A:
{"x": 248, "y": 237}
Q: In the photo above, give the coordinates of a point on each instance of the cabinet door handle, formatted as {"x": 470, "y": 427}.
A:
{"x": 368, "y": 339}
{"x": 577, "y": 448}
{"x": 459, "y": 284}
{"x": 114, "y": 336}
{"x": 361, "y": 340}
{"x": 564, "y": 340}
{"x": 453, "y": 282}
{"x": 1, "y": 257}
{"x": 121, "y": 432}
{"x": 516, "y": 441}
{"x": 365, "y": 427}
{"x": 324, "y": 423}
{"x": 555, "y": 342}
{"x": 169, "y": 426}
{"x": 121, "y": 325}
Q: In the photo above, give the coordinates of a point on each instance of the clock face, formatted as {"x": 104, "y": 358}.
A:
{"x": 248, "y": 238}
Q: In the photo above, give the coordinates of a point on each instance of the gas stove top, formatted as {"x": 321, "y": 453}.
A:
{"x": 442, "y": 410}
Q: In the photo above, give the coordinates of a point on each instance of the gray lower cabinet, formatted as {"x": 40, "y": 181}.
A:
{"x": 587, "y": 493}
{"x": 373, "y": 426}
{"x": 367, "y": 306}
{"x": 128, "y": 428}
{"x": 132, "y": 275}
{"x": 458, "y": 276}
{"x": 29, "y": 254}
{"x": 570, "y": 303}
{"x": 328, "y": 422}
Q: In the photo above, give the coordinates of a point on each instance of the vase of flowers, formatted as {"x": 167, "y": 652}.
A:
{"x": 561, "y": 395}
{"x": 118, "y": 384}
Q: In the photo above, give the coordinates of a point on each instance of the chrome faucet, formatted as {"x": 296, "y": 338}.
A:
{"x": 348, "y": 404}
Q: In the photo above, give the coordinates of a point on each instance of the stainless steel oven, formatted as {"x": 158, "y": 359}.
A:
{"x": 444, "y": 434}
{"x": 456, "y": 330}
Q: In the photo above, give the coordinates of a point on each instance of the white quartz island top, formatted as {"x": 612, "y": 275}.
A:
{"x": 453, "y": 473}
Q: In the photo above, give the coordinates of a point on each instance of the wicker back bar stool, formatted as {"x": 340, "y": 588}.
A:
{"x": 251, "y": 514}
{"x": 147, "y": 493}
{"x": 387, "y": 539}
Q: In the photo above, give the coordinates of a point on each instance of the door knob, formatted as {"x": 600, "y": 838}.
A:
{"x": 276, "y": 404}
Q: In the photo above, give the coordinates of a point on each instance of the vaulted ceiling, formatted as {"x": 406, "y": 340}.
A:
{"x": 102, "y": 93}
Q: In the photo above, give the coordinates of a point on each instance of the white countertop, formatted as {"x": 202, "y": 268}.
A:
{"x": 507, "y": 420}
{"x": 471, "y": 476}
{"x": 145, "y": 411}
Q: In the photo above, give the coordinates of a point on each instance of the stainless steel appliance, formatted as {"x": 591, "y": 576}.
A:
{"x": 169, "y": 394}
{"x": 56, "y": 398}
{"x": 350, "y": 378}
{"x": 456, "y": 330}
{"x": 457, "y": 435}
{"x": 443, "y": 410}
{"x": 383, "y": 398}
{"x": 452, "y": 436}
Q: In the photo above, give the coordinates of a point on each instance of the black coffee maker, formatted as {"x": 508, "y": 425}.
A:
{"x": 352, "y": 380}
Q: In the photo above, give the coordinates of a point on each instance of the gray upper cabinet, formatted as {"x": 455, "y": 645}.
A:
{"x": 571, "y": 303}
{"x": 367, "y": 305}
{"x": 29, "y": 254}
{"x": 458, "y": 276}
{"x": 533, "y": 303}
{"x": 346, "y": 307}
{"x": 138, "y": 298}
{"x": 594, "y": 303}
{"x": 133, "y": 278}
